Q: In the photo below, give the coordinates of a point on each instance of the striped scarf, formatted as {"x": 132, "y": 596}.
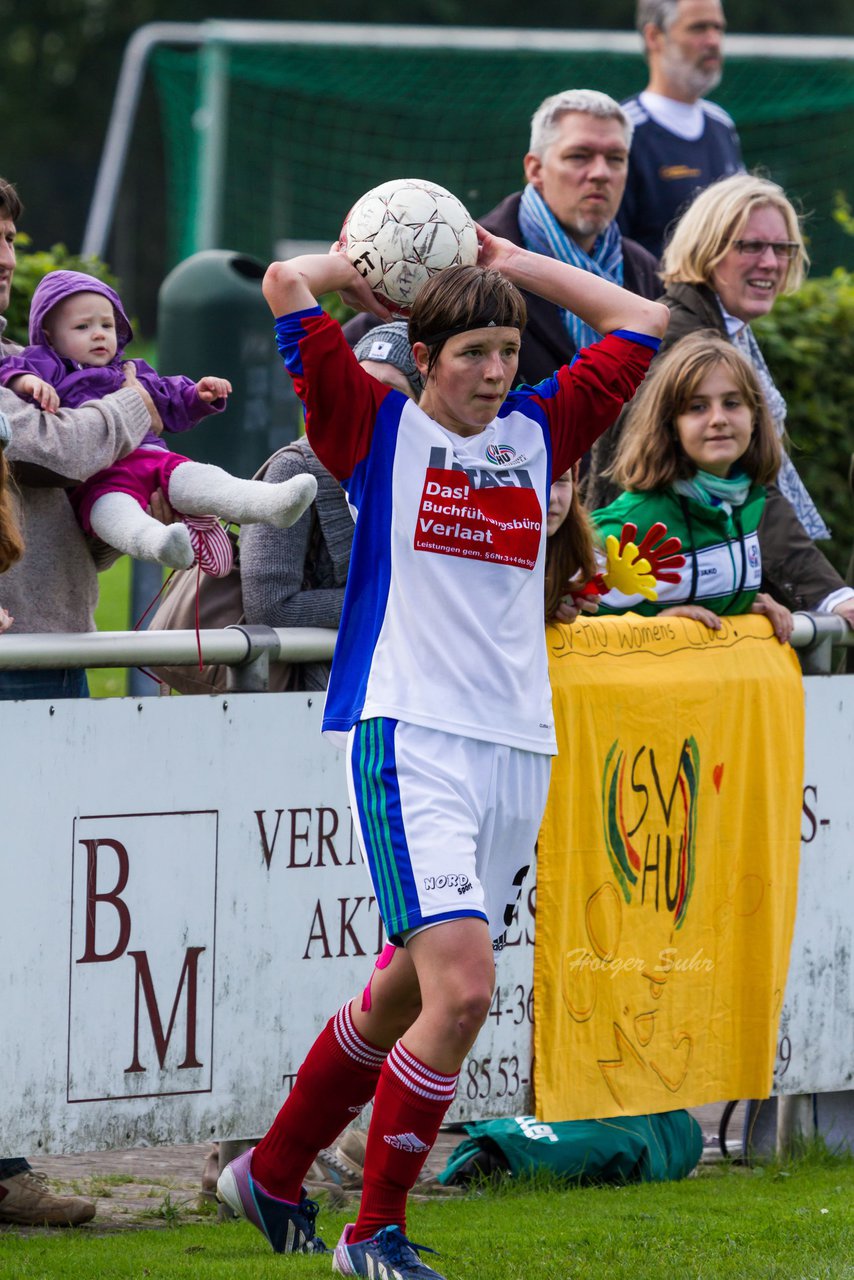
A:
{"x": 725, "y": 492}
{"x": 789, "y": 482}
{"x": 542, "y": 233}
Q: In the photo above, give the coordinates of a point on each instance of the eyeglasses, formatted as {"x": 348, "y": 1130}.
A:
{"x": 783, "y": 249}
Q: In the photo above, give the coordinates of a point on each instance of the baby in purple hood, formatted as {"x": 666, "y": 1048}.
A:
{"x": 78, "y": 334}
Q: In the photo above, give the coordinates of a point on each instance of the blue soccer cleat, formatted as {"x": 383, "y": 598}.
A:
{"x": 289, "y": 1228}
{"x": 386, "y": 1256}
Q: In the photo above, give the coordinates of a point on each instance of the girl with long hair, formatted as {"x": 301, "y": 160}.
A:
{"x": 698, "y": 449}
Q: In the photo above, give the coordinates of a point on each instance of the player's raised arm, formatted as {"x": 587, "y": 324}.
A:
{"x": 296, "y": 285}
{"x": 602, "y": 305}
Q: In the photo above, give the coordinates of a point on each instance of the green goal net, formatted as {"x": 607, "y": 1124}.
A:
{"x": 309, "y": 128}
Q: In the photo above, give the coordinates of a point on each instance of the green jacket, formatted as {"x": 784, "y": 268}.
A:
{"x": 723, "y": 565}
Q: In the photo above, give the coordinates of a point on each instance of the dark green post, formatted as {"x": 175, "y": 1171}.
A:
{"x": 213, "y": 319}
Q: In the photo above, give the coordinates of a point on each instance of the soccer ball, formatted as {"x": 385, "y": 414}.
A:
{"x": 401, "y": 233}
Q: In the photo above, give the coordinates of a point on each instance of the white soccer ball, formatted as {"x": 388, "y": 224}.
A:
{"x": 401, "y": 233}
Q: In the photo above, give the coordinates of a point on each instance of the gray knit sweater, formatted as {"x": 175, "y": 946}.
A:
{"x": 54, "y": 586}
{"x": 296, "y": 577}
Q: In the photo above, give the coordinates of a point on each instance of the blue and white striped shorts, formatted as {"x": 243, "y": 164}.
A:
{"x": 447, "y": 825}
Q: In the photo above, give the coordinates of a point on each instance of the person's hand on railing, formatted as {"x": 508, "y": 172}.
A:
{"x": 846, "y": 610}
{"x": 696, "y": 611}
{"x": 777, "y": 614}
{"x": 6, "y": 620}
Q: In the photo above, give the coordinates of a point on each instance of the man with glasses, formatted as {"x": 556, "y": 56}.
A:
{"x": 682, "y": 142}
{"x": 576, "y": 169}
{"x": 738, "y": 246}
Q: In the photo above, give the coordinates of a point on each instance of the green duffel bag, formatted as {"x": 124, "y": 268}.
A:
{"x": 656, "y": 1148}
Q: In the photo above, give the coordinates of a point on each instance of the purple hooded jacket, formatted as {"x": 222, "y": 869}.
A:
{"x": 175, "y": 398}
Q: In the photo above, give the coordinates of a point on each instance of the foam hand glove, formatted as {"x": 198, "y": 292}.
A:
{"x": 664, "y": 558}
{"x": 635, "y": 568}
{"x": 628, "y": 571}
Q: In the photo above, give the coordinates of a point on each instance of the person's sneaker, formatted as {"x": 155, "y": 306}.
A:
{"x": 351, "y": 1146}
{"x": 388, "y": 1255}
{"x": 339, "y": 1169}
{"x": 289, "y": 1228}
{"x": 344, "y": 1164}
{"x": 26, "y": 1201}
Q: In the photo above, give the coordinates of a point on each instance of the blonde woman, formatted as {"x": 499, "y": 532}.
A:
{"x": 734, "y": 251}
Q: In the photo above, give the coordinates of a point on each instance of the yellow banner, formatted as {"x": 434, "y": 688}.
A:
{"x": 668, "y": 863}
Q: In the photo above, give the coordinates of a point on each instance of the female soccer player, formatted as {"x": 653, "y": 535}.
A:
{"x": 440, "y": 687}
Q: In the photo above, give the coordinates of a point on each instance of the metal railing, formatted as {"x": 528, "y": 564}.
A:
{"x": 248, "y": 650}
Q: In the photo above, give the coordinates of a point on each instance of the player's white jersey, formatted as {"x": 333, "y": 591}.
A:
{"x": 442, "y": 624}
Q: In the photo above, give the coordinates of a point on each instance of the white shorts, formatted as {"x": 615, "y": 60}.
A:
{"x": 447, "y": 825}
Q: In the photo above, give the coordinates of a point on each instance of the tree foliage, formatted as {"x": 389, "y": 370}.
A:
{"x": 60, "y": 59}
{"x": 33, "y": 266}
{"x": 808, "y": 341}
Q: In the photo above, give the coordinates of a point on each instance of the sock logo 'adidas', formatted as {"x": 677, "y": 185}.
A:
{"x": 405, "y": 1142}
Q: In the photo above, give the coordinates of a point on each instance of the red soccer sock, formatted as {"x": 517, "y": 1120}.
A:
{"x": 409, "y": 1106}
{"x": 336, "y": 1080}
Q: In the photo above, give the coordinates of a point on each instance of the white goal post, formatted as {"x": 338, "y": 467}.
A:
{"x": 214, "y": 38}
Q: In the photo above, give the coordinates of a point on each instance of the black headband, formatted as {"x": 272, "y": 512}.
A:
{"x": 479, "y": 322}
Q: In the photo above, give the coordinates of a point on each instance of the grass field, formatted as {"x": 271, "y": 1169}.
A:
{"x": 113, "y": 614}
{"x": 766, "y": 1223}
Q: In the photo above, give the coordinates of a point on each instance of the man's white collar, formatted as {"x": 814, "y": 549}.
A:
{"x": 685, "y": 119}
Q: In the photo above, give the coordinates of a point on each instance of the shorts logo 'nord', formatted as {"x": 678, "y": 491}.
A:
{"x": 454, "y": 880}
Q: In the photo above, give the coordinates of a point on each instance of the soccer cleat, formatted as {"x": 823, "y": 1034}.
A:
{"x": 289, "y": 1228}
{"x": 388, "y": 1255}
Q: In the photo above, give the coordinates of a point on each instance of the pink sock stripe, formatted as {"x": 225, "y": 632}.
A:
{"x": 367, "y": 1055}
{"x": 420, "y": 1078}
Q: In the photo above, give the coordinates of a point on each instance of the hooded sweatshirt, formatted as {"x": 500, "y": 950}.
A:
{"x": 176, "y": 398}
{"x": 54, "y": 587}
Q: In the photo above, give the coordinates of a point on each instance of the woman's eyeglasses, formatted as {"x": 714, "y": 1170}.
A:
{"x": 785, "y": 250}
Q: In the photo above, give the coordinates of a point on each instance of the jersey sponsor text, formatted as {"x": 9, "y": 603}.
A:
{"x": 461, "y": 516}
